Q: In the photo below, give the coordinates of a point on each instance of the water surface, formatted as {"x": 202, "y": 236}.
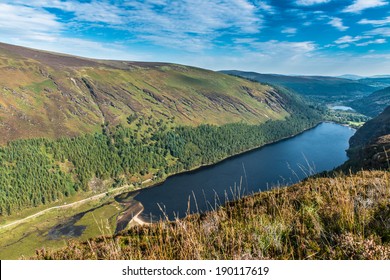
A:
{"x": 319, "y": 149}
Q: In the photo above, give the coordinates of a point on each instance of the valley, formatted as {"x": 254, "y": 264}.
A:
{"x": 83, "y": 139}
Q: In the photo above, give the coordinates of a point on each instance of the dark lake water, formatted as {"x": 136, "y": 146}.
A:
{"x": 286, "y": 162}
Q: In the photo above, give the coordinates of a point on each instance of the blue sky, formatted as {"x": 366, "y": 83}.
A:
{"x": 314, "y": 37}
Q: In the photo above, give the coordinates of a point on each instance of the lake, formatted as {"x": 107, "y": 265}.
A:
{"x": 283, "y": 163}
{"x": 342, "y": 108}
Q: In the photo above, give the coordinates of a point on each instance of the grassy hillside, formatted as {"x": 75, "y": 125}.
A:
{"x": 318, "y": 88}
{"x": 342, "y": 217}
{"x": 373, "y": 104}
{"x": 51, "y": 95}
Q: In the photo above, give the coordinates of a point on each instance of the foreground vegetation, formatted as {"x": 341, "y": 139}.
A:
{"x": 340, "y": 217}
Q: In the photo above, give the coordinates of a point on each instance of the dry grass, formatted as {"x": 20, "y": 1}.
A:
{"x": 343, "y": 217}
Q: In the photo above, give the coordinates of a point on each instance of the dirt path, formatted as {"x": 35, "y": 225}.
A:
{"x": 95, "y": 197}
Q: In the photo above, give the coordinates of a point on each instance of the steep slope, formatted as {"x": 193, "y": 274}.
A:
{"x": 370, "y": 146}
{"x": 325, "y": 89}
{"x": 373, "y": 104}
{"x": 45, "y": 94}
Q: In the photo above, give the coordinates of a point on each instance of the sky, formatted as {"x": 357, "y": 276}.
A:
{"x": 309, "y": 37}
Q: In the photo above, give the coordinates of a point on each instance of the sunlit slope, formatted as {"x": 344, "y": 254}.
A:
{"x": 44, "y": 94}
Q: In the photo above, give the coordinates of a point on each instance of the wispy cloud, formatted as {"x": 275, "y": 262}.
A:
{"x": 311, "y": 2}
{"x": 347, "y": 41}
{"x": 16, "y": 21}
{"x": 94, "y": 11}
{"x": 338, "y": 23}
{"x": 383, "y": 31}
{"x": 289, "y": 30}
{"x": 377, "y": 22}
{"x": 377, "y": 41}
{"x": 176, "y": 24}
{"x": 280, "y": 49}
{"x": 360, "y": 5}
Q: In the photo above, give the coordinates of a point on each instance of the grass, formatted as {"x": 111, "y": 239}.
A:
{"x": 340, "y": 217}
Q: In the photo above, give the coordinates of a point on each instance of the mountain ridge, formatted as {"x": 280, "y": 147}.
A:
{"x": 44, "y": 94}
{"x": 323, "y": 89}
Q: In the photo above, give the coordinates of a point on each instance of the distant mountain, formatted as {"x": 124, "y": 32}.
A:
{"x": 377, "y": 82}
{"x": 351, "y": 77}
{"x": 373, "y": 104}
{"x": 323, "y": 89}
{"x": 370, "y": 146}
{"x": 380, "y": 76}
{"x": 45, "y": 94}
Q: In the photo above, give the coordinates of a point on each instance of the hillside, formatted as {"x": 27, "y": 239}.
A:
{"x": 318, "y": 88}
{"x": 370, "y": 146}
{"x": 46, "y": 94}
{"x": 373, "y": 104}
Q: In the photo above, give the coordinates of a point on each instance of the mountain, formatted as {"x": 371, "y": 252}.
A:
{"x": 370, "y": 146}
{"x": 373, "y": 104}
{"x": 350, "y": 77}
{"x": 377, "y": 82}
{"x": 318, "y": 88}
{"x": 44, "y": 94}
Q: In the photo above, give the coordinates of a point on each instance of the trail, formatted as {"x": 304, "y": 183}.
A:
{"x": 64, "y": 206}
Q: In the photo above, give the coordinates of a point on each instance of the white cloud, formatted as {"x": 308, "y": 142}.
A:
{"x": 338, "y": 23}
{"x": 346, "y": 41}
{"x": 311, "y": 2}
{"x": 33, "y": 23}
{"x": 183, "y": 24}
{"x": 174, "y": 24}
{"x": 274, "y": 48}
{"x": 377, "y": 22}
{"x": 95, "y": 11}
{"x": 360, "y": 5}
{"x": 377, "y": 41}
{"x": 349, "y": 39}
{"x": 289, "y": 30}
{"x": 383, "y": 31}
{"x": 265, "y": 6}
